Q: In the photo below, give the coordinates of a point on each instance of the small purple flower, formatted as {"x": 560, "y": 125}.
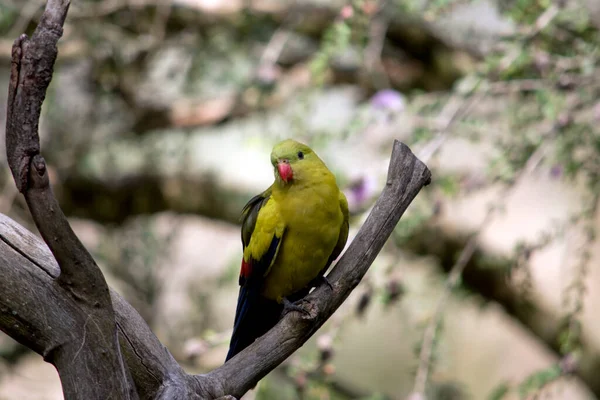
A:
{"x": 556, "y": 171}
{"x": 569, "y": 363}
{"x": 360, "y": 191}
{"x": 389, "y": 100}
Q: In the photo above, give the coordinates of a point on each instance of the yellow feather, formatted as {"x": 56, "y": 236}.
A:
{"x": 269, "y": 224}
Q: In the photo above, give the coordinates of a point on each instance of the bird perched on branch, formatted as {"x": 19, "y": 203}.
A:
{"x": 291, "y": 233}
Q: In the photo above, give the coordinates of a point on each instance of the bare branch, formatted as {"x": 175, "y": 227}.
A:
{"x": 87, "y": 354}
{"x": 31, "y": 303}
{"x": 377, "y": 30}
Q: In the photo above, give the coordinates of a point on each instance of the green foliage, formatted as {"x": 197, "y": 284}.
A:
{"x": 570, "y": 336}
{"x": 577, "y": 150}
{"x": 448, "y": 184}
{"x": 408, "y": 6}
{"x": 432, "y": 8}
{"x": 8, "y": 15}
{"x": 550, "y": 103}
{"x": 335, "y": 40}
{"x": 538, "y": 380}
{"x": 271, "y": 389}
{"x": 500, "y": 392}
{"x": 520, "y": 68}
{"x": 375, "y": 396}
{"x": 527, "y": 11}
{"x": 543, "y": 74}
{"x": 413, "y": 220}
{"x": 422, "y": 134}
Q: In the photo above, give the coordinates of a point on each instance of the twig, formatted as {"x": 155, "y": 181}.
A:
{"x": 573, "y": 295}
{"x": 544, "y": 20}
{"x": 457, "y": 269}
{"x": 454, "y": 110}
{"x": 377, "y": 32}
{"x": 540, "y": 24}
{"x": 274, "y": 48}
{"x": 280, "y": 37}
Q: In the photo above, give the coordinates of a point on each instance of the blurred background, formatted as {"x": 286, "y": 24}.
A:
{"x": 158, "y": 126}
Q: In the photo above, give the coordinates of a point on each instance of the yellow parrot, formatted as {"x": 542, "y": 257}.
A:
{"x": 291, "y": 233}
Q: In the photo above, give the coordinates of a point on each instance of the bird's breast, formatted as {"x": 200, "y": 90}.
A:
{"x": 313, "y": 223}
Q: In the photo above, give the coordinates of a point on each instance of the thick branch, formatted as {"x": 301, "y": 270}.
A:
{"x": 87, "y": 355}
{"x": 31, "y": 302}
{"x": 406, "y": 176}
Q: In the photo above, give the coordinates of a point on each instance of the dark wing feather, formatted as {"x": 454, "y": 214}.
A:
{"x": 254, "y": 314}
{"x": 250, "y": 215}
{"x": 256, "y": 269}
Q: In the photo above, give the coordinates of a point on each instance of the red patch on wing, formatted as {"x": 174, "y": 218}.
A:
{"x": 246, "y": 269}
{"x": 285, "y": 171}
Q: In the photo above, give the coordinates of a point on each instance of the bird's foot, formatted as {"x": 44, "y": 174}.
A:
{"x": 289, "y": 306}
{"x": 321, "y": 280}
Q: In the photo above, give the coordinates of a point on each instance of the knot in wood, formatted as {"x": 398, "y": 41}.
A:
{"x": 39, "y": 164}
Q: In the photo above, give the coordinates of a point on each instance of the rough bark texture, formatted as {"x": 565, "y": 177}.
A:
{"x": 55, "y": 300}
{"x": 84, "y": 346}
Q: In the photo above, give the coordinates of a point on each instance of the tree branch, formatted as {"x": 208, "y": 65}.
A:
{"x": 31, "y": 303}
{"x": 87, "y": 356}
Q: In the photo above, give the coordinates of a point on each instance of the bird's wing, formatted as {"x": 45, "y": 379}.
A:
{"x": 262, "y": 233}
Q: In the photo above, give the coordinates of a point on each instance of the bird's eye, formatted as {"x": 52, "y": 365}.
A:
{"x": 300, "y": 155}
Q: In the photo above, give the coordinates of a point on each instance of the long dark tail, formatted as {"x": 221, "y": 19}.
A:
{"x": 254, "y": 316}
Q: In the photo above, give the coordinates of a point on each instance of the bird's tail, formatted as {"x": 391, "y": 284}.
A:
{"x": 254, "y": 316}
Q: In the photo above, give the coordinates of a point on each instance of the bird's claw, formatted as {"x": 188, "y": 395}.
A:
{"x": 289, "y": 306}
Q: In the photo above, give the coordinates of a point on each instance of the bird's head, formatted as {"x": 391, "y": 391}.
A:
{"x": 291, "y": 159}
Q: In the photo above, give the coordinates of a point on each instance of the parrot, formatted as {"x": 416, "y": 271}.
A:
{"x": 291, "y": 233}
